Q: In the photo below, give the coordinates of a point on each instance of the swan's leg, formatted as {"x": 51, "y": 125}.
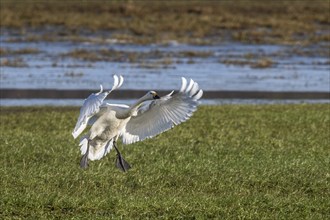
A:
{"x": 120, "y": 162}
{"x": 84, "y": 159}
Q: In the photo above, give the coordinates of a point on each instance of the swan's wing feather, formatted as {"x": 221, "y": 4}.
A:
{"x": 92, "y": 106}
{"x": 163, "y": 114}
{"x": 116, "y": 105}
{"x": 92, "y": 120}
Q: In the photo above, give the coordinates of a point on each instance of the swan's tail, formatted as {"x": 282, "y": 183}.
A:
{"x": 96, "y": 152}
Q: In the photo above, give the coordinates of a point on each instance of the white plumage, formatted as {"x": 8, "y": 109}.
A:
{"x": 148, "y": 117}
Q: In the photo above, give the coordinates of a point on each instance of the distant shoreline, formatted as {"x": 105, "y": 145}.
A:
{"x": 129, "y": 94}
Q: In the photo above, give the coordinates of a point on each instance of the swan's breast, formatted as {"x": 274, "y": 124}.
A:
{"x": 108, "y": 125}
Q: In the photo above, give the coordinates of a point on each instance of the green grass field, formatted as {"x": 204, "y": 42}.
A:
{"x": 227, "y": 162}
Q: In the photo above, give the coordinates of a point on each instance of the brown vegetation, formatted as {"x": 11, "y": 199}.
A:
{"x": 17, "y": 62}
{"x": 160, "y": 57}
{"x": 255, "y": 21}
{"x": 260, "y": 63}
{"x": 6, "y": 51}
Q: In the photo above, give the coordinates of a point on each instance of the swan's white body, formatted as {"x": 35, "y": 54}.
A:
{"x": 133, "y": 123}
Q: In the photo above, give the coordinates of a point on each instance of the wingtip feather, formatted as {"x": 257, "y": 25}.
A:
{"x": 194, "y": 89}
{"x": 121, "y": 81}
{"x": 191, "y": 83}
{"x": 198, "y": 95}
{"x": 170, "y": 93}
{"x": 184, "y": 84}
{"x": 75, "y": 134}
{"x": 115, "y": 82}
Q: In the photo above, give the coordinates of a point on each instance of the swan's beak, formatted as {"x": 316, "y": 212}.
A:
{"x": 156, "y": 97}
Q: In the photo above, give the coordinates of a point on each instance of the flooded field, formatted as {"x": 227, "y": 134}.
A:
{"x": 226, "y": 66}
{"x": 259, "y": 48}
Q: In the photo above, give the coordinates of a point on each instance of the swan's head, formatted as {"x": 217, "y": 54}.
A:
{"x": 151, "y": 95}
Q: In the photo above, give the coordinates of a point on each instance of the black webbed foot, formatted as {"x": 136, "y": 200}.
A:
{"x": 84, "y": 161}
{"x": 120, "y": 162}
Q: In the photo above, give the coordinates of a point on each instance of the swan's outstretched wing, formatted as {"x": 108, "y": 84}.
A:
{"x": 164, "y": 113}
{"x": 92, "y": 105}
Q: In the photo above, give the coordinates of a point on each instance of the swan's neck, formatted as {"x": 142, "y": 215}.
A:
{"x": 134, "y": 108}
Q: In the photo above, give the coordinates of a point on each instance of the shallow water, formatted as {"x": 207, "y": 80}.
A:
{"x": 49, "y": 69}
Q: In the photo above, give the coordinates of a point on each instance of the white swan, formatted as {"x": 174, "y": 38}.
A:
{"x": 133, "y": 123}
